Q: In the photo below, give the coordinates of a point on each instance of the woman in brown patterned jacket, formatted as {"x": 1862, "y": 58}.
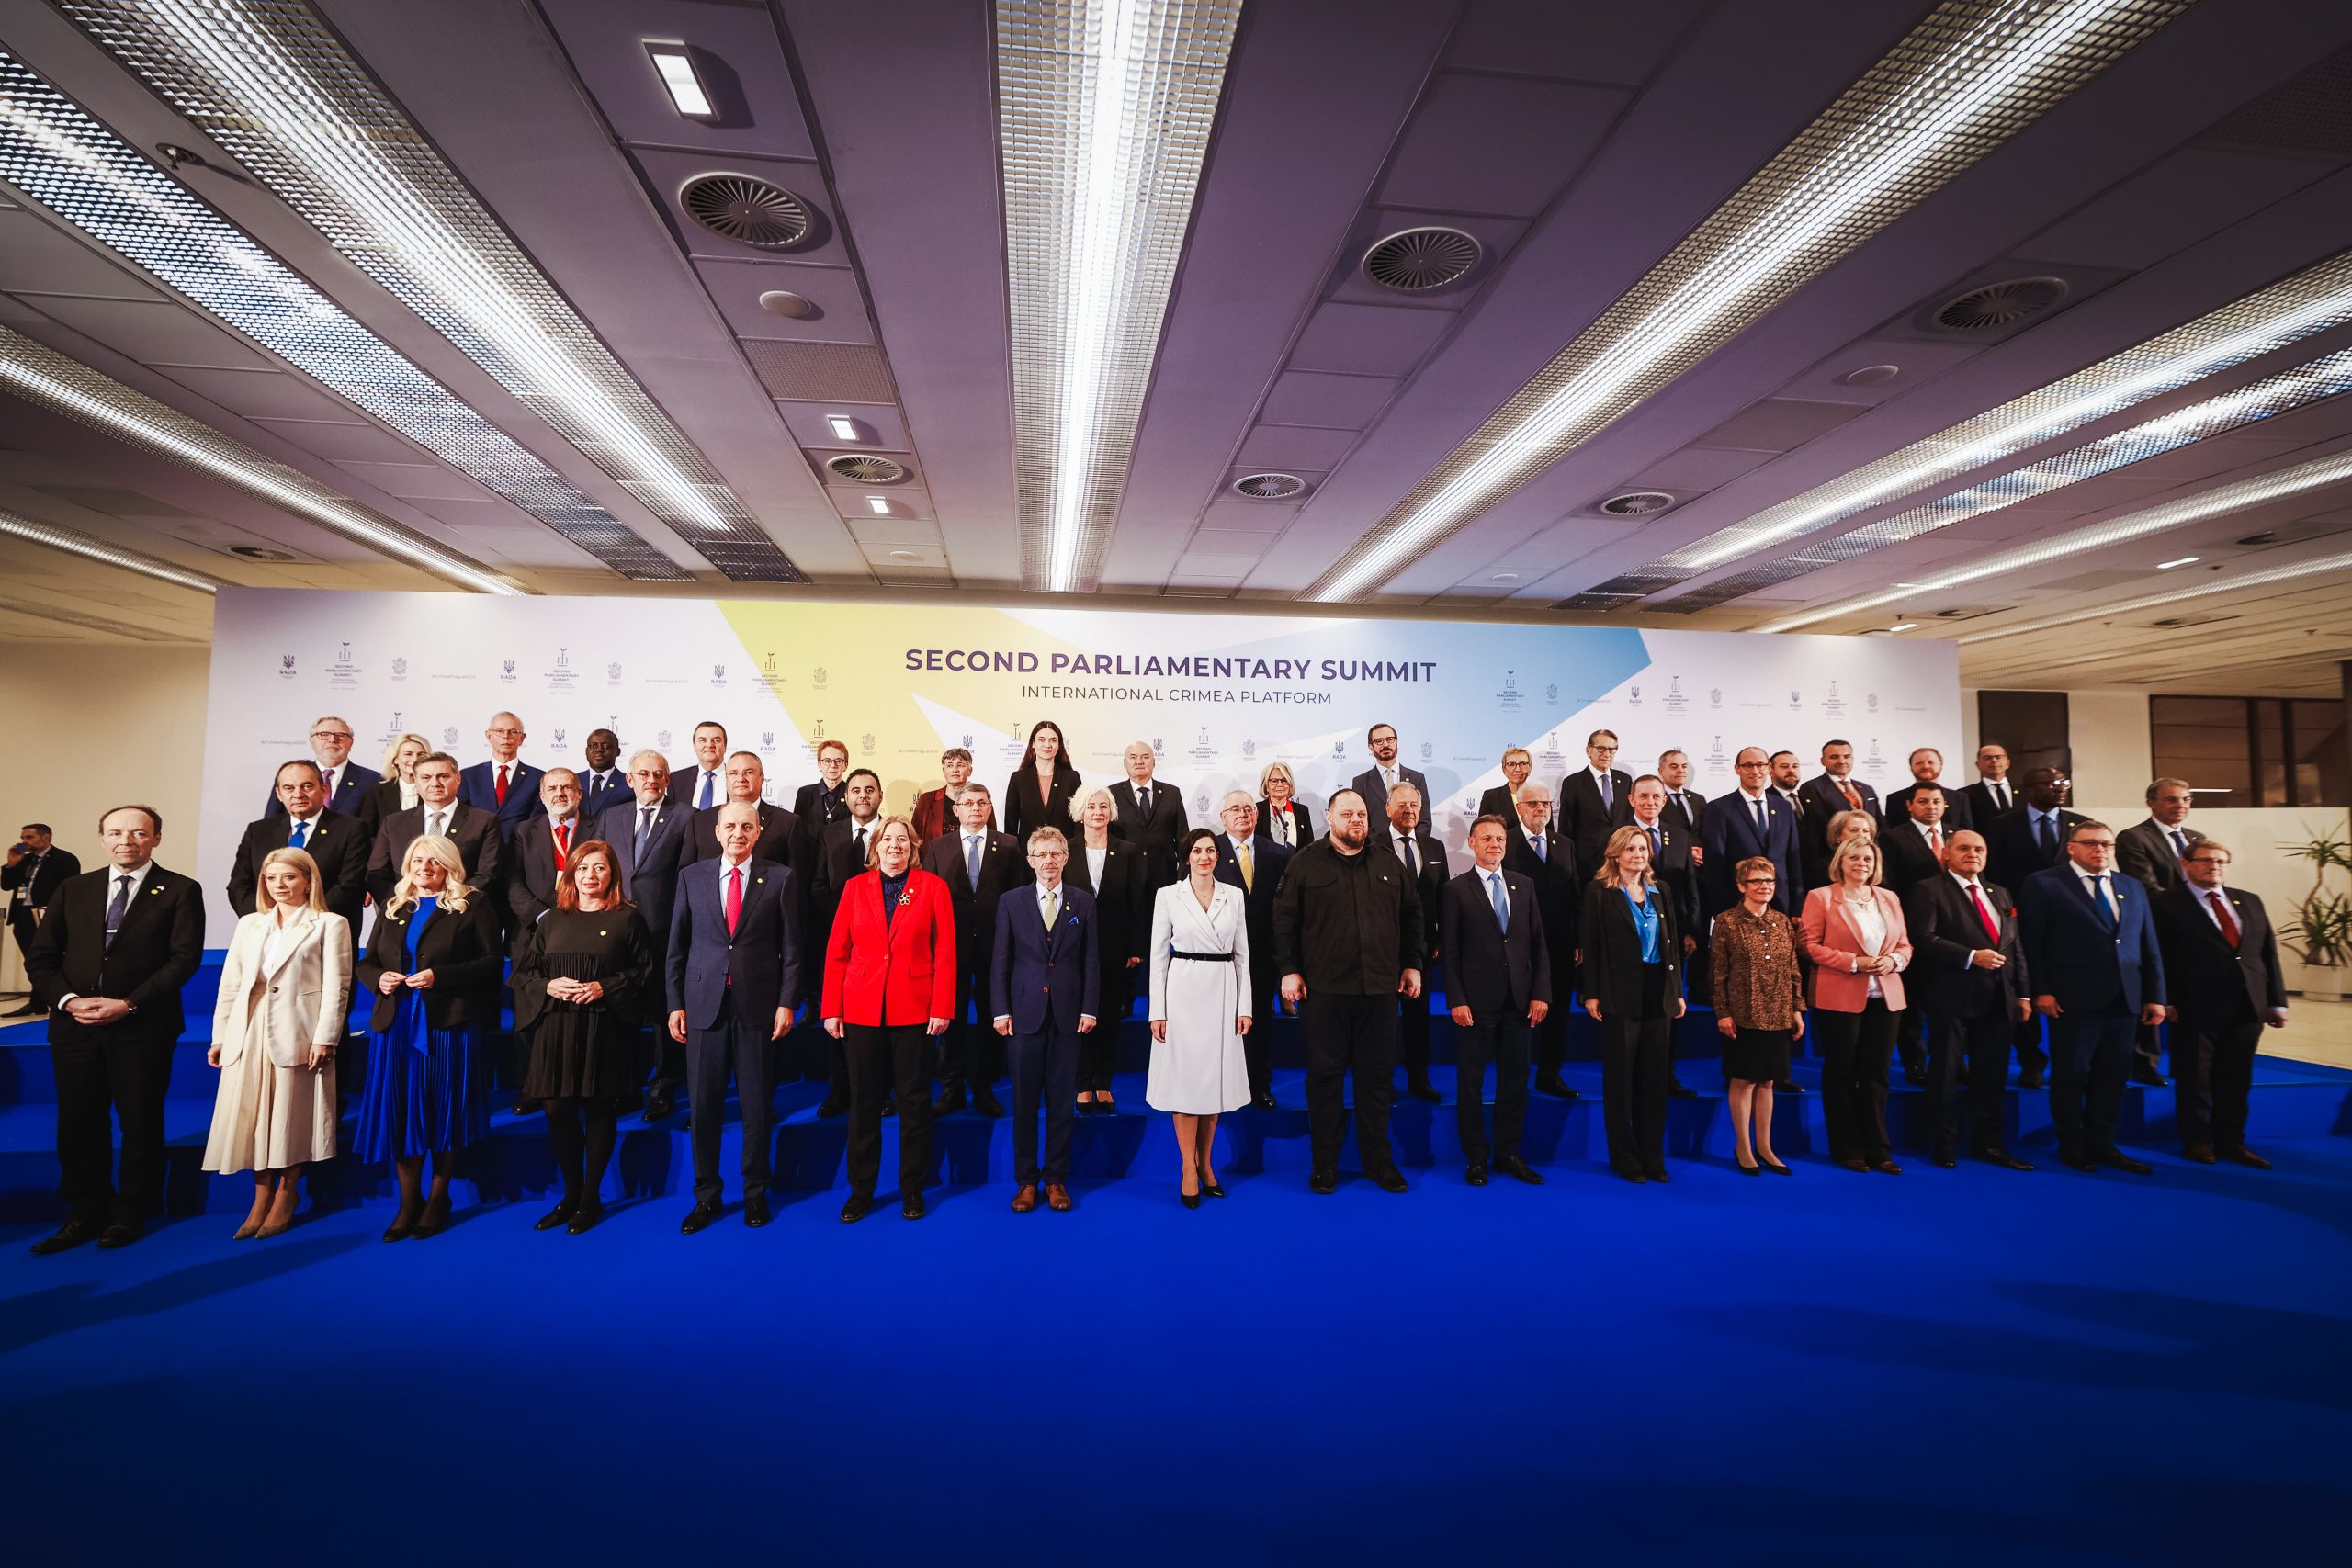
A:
{"x": 1760, "y": 1008}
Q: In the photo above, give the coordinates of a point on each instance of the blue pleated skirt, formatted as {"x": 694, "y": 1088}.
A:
{"x": 427, "y": 1092}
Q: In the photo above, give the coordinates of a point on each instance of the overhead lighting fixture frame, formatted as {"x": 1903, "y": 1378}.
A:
{"x": 681, "y": 78}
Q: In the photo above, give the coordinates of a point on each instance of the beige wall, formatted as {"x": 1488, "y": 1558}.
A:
{"x": 89, "y": 728}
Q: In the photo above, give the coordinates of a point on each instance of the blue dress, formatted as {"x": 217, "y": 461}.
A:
{"x": 428, "y": 1089}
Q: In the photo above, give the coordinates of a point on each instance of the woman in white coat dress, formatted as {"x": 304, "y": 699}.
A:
{"x": 1200, "y": 959}
{"x": 285, "y": 997}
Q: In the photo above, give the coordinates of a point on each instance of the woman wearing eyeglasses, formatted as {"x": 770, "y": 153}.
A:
{"x": 1760, "y": 1008}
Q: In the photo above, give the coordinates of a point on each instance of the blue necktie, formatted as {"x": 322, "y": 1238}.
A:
{"x": 972, "y": 861}
{"x": 2105, "y": 903}
{"x": 120, "y": 904}
{"x": 702, "y": 801}
{"x": 1658, "y": 850}
{"x": 1494, "y": 897}
{"x": 301, "y": 831}
{"x": 644, "y": 825}
{"x": 1606, "y": 803}
{"x": 1763, "y": 833}
{"x": 2048, "y": 838}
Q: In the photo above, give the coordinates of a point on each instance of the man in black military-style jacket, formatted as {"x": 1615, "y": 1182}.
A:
{"x": 968, "y": 1051}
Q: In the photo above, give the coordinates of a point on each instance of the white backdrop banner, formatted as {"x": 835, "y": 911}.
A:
{"x": 1218, "y": 696}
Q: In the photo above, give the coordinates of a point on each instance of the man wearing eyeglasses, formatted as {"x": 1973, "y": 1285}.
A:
{"x": 345, "y": 782}
{"x": 2090, "y": 948}
{"x": 2223, "y": 958}
{"x": 505, "y": 787}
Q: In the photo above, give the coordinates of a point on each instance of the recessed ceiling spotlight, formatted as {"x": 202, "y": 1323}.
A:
{"x": 905, "y": 555}
{"x": 1870, "y": 375}
{"x": 1504, "y": 577}
{"x": 784, "y": 302}
{"x": 843, "y": 427}
{"x": 676, "y": 64}
{"x": 2168, "y": 565}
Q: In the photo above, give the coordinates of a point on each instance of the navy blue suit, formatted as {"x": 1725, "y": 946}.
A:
{"x": 729, "y": 985}
{"x": 1044, "y": 980}
{"x": 1730, "y": 836}
{"x": 651, "y": 884}
{"x": 352, "y": 784}
{"x": 477, "y": 787}
{"x": 2101, "y": 969}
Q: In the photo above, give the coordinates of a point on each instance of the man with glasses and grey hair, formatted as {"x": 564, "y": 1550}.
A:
{"x": 2221, "y": 962}
{"x": 343, "y": 783}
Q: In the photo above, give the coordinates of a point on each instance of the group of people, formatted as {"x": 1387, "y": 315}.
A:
{"x": 661, "y": 931}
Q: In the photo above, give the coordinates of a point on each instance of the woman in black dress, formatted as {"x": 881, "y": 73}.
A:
{"x": 1111, "y": 869}
{"x": 1632, "y": 988}
{"x": 1038, "y": 793}
{"x": 579, "y": 992}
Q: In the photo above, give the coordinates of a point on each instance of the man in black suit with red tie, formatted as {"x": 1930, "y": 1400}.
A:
{"x": 1543, "y": 856}
{"x": 979, "y": 866}
{"x": 2222, "y": 967}
{"x": 539, "y": 850}
{"x": 1499, "y": 979}
{"x": 1423, "y": 858}
{"x": 107, "y": 963}
{"x": 1968, "y": 976}
{"x": 1822, "y": 797}
{"x": 344, "y": 782}
{"x": 1911, "y": 851}
{"x": 333, "y": 840}
{"x": 1589, "y": 801}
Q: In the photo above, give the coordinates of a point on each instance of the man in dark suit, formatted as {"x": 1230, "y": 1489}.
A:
{"x": 817, "y": 806}
{"x": 1991, "y": 797}
{"x": 2031, "y": 839}
{"x": 107, "y": 964}
{"x": 1374, "y": 782}
{"x": 36, "y": 868}
{"x": 1044, "y": 979}
{"x": 1407, "y": 838}
{"x": 1249, "y": 859}
{"x": 837, "y": 856}
{"x": 1967, "y": 977}
{"x": 1149, "y": 814}
{"x": 703, "y": 786}
{"x": 603, "y": 785}
{"x": 1543, "y": 855}
{"x": 1753, "y": 819}
{"x": 1503, "y": 800}
{"x": 1498, "y": 978}
{"x": 732, "y": 969}
{"x": 505, "y": 787}
{"x": 1683, "y": 804}
{"x": 979, "y": 866}
{"x": 747, "y": 782}
{"x": 2221, "y": 963}
{"x": 437, "y": 811}
{"x": 646, "y": 832}
{"x": 538, "y": 850}
{"x": 2090, "y": 945}
{"x": 1926, "y": 775}
{"x": 2153, "y": 852}
{"x": 1911, "y": 851}
{"x": 329, "y": 838}
{"x": 1834, "y": 790}
{"x": 1671, "y": 862}
{"x": 1589, "y": 800}
{"x": 344, "y": 782}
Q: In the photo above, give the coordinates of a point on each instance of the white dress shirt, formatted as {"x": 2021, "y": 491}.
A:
{"x": 1094, "y": 863}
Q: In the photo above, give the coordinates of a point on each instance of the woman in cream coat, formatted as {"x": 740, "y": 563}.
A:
{"x": 1200, "y": 958}
{"x": 285, "y": 995}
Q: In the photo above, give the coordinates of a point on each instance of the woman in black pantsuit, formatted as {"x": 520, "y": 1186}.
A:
{"x": 1632, "y": 988}
{"x": 1113, "y": 872}
{"x": 1038, "y": 793}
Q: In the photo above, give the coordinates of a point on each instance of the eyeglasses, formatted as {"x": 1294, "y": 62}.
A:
{"x": 330, "y": 734}
{"x": 1760, "y": 882}
{"x": 2209, "y": 860}
{"x": 2094, "y": 843}
{"x": 516, "y": 733}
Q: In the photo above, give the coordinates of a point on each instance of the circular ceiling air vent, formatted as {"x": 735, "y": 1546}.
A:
{"x": 750, "y": 211}
{"x": 860, "y": 467}
{"x": 1999, "y": 304}
{"x": 1269, "y": 487}
{"x": 1420, "y": 259}
{"x": 1636, "y": 504}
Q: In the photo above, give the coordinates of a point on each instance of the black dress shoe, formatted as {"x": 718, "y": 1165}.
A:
{"x": 122, "y": 1232}
{"x": 2029, "y": 1081}
{"x": 1787, "y": 1085}
{"x": 1422, "y": 1088}
{"x": 1265, "y": 1102}
{"x": 2116, "y": 1159}
{"x": 403, "y": 1224}
{"x": 1947, "y": 1162}
{"x": 1677, "y": 1090}
{"x": 1477, "y": 1174}
{"x": 1515, "y": 1167}
{"x": 855, "y": 1208}
{"x": 434, "y": 1220}
{"x": 1323, "y": 1181}
{"x": 1747, "y": 1169}
{"x": 985, "y": 1103}
{"x": 947, "y": 1104}
{"x": 698, "y": 1218}
{"x": 659, "y": 1105}
{"x": 1657, "y": 1173}
{"x": 526, "y": 1106}
{"x": 558, "y": 1215}
{"x": 756, "y": 1211}
{"x": 1390, "y": 1180}
{"x": 1554, "y": 1085}
{"x": 835, "y": 1104}
{"x": 911, "y": 1206}
{"x": 1886, "y": 1167}
{"x": 1774, "y": 1167}
{"x": 2238, "y": 1154}
{"x": 1635, "y": 1176}
{"x": 583, "y": 1219}
{"x": 2083, "y": 1163}
{"x": 2003, "y": 1159}
{"x": 72, "y": 1233}
{"x": 1189, "y": 1200}
{"x": 2147, "y": 1076}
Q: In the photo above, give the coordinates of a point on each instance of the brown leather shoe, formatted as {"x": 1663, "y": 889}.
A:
{"x": 2240, "y": 1154}
{"x": 2201, "y": 1153}
{"x": 1058, "y": 1197}
{"x": 1886, "y": 1167}
{"x": 1858, "y": 1165}
{"x": 1026, "y": 1198}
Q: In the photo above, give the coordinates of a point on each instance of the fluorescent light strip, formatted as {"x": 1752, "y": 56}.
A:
{"x": 73, "y": 541}
{"x": 2263, "y": 489}
{"x": 59, "y": 157}
{"x": 676, "y": 64}
{"x": 1105, "y": 110}
{"x": 2315, "y": 300}
{"x": 268, "y": 80}
{"x": 48, "y": 379}
{"x": 1966, "y": 79}
{"x": 2108, "y": 612}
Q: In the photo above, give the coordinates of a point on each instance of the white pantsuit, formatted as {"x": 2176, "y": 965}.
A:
{"x": 282, "y": 991}
{"x": 1199, "y": 1070}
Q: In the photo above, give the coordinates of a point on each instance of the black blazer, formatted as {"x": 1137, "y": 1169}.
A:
{"x": 2210, "y": 982}
{"x": 337, "y": 843}
{"x": 1123, "y": 904}
{"x": 1983, "y": 811}
{"x": 2011, "y": 854}
{"x": 1585, "y": 819}
{"x": 1958, "y": 814}
{"x": 2144, "y": 851}
{"x": 1268, "y": 860}
{"x": 1611, "y": 975}
{"x": 1374, "y": 789}
{"x": 475, "y": 831}
{"x": 653, "y": 886}
{"x": 379, "y": 802}
{"x": 39, "y": 881}
{"x": 1906, "y": 862}
{"x": 814, "y": 810}
{"x": 1026, "y": 811}
{"x": 1945, "y": 929}
{"x": 1690, "y": 808}
{"x": 1302, "y": 822}
{"x": 1431, "y": 888}
{"x": 464, "y": 953}
{"x": 1559, "y": 895}
{"x": 1497, "y": 802}
{"x": 1004, "y": 865}
{"x": 1489, "y": 968}
{"x": 774, "y": 844}
{"x": 1154, "y": 835}
{"x": 156, "y": 950}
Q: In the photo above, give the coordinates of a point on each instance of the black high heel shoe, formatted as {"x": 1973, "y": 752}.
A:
{"x": 1212, "y": 1189}
{"x": 435, "y": 1219}
{"x": 558, "y": 1215}
{"x": 1748, "y": 1169}
{"x": 1190, "y": 1199}
{"x": 404, "y": 1223}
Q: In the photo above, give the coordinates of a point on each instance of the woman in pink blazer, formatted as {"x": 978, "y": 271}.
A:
{"x": 1854, "y": 934}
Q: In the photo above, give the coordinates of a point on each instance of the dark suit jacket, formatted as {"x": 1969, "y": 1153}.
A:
{"x": 596, "y": 798}
{"x": 931, "y": 816}
{"x": 1981, "y": 810}
{"x": 1945, "y": 929}
{"x": 2211, "y": 982}
{"x": 1613, "y": 949}
{"x": 352, "y": 785}
{"x": 379, "y": 803}
{"x": 475, "y": 833}
{"x": 461, "y": 948}
{"x": 814, "y": 810}
{"x": 477, "y": 787}
{"x": 1430, "y": 889}
{"x": 757, "y": 967}
{"x": 531, "y": 871}
{"x": 1267, "y": 859}
{"x": 1024, "y": 812}
{"x": 38, "y": 880}
{"x": 2144, "y": 851}
{"x": 2077, "y": 956}
{"x": 337, "y": 843}
{"x": 1301, "y": 818}
{"x": 1497, "y": 802}
{"x": 1559, "y": 898}
{"x": 653, "y": 886}
{"x": 1122, "y": 906}
{"x": 1691, "y": 809}
{"x": 777, "y": 830}
{"x": 1004, "y": 864}
{"x": 1670, "y": 864}
{"x": 1819, "y": 802}
{"x": 1729, "y": 837}
{"x": 1035, "y": 972}
{"x": 2011, "y": 854}
{"x": 1154, "y": 835}
{"x": 685, "y": 787}
{"x": 1958, "y": 813}
{"x": 1584, "y": 819}
{"x": 1488, "y": 968}
{"x": 1904, "y": 853}
{"x": 156, "y": 950}
{"x": 1374, "y": 790}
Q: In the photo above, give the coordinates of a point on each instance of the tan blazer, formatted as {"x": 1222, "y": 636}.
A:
{"x": 307, "y": 996}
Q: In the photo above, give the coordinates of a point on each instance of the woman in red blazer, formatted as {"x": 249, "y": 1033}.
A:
{"x": 889, "y": 985}
{"x": 1854, "y": 934}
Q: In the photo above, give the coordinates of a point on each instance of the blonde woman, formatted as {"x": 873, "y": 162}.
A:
{"x": 433, "y": 964}
{"x": 398, "y": 792}
{"x": 1632, "y": 988}
{"x": 1112, "y": 870}
{"x": 285, "y": 993}
{"x": 1287, "y": 821}
{"x": 1855, "y": 935}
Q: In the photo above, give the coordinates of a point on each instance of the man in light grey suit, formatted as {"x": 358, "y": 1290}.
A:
{"x": 646, "y": 832}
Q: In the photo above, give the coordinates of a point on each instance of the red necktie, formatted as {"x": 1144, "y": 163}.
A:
{"x": 562, "y": 844}
{"x": 734, "y": 898}
{"x": 1935, "y": 841}
{"x": 1984, "y": 913}
{"x": 1852, "y": 799}
{"x": 2222, "y": 913}
{"x": 502, "y": 784}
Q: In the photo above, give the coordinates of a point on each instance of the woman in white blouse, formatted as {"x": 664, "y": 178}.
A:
{"x": 1855, "y": 935}
{"x": 1112, "y": 870}
{"x": 1279, "y": 807}
{"x": 1200, "y": 994}
{"x": 285, "y": 997}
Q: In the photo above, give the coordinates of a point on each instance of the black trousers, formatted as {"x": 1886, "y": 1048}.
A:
{"x": 1552, "y": 1035}
{"x": 969, "y": 1050}
{"x": 1413, "y": 1028}
{"x": 97, "y": 1074}
{"x": 894, "y": 1058}
{"x": 1503, "y": 1039}
{"x": 738, "y": 1045}
{"x": 1257, "y": 1046}
{"x": 2026, "y": 1038}
{"x": 581, "y": 1133}
{"x": 1636, "y": 1060}
{"x": 2213, "y": 1069}
{"x": 1854, "y": 1051}
{"x": 2090, "y": 1060}
{"x": 1098, "y": 1054}
{"x": 1978, "y": 1050}
{"x": 1349, "y": 1034}
{"x": 1910, "y": 1042}
{"x": 1044, "y": 1065}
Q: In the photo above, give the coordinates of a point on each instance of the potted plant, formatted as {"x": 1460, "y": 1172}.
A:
{"x": 2321, "y": 932}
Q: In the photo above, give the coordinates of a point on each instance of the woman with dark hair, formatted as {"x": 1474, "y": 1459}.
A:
{"x": 1200, "y": 1010}
{"x": 1633, "y": 989}
{"x": 1038, "y": 793}
{"x": 580, "y": 993}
